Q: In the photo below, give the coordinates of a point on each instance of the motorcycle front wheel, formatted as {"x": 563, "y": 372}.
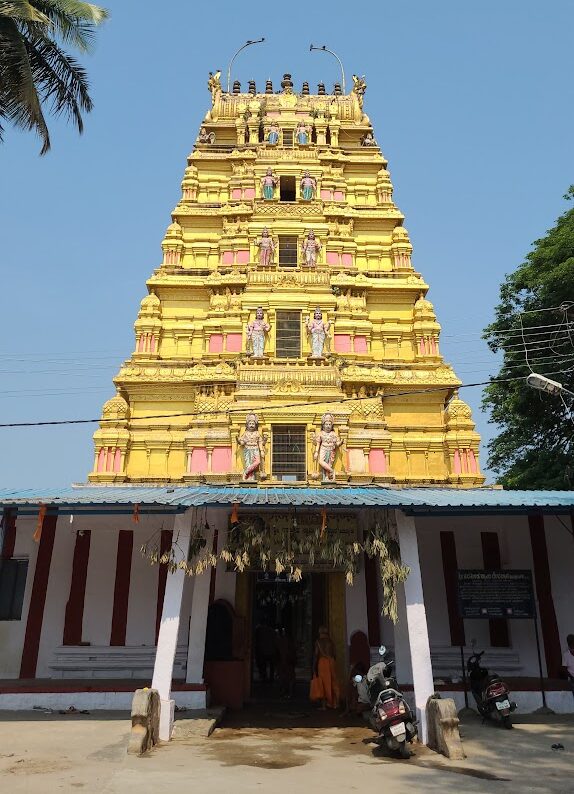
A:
{"x": 404, "y": 750}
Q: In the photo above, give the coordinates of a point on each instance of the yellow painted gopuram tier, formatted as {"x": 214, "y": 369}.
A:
{"x": 200, "y": 366}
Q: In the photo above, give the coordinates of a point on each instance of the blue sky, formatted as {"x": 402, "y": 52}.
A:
{"x": 470, "y": 101}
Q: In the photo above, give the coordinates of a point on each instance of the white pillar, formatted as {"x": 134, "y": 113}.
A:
{"x": 198, "y": 624}
{"x": 416, "y": 620}
{"x": 169, "y": 629}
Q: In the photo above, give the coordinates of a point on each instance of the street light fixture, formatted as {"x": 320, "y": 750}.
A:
{"x": 324, "y": 49}
{"x": 248, "y": 43}
{"x": 542, "y": 383}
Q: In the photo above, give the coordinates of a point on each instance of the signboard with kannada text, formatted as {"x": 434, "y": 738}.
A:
{"x": 495, "y": 594}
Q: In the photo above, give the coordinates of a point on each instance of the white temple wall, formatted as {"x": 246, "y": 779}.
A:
{"x": 56, "y": 594}
{"x": 516, "y": 552}
{"x": 12, "y": 631}
{"x": 142, "y": 604}
{"x": 561, "y": 559}
{"x": 225, "y": 581}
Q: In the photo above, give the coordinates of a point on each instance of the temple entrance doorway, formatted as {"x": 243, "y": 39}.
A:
{"x": 285, "y": 618}
{"x": 282, "y": 622}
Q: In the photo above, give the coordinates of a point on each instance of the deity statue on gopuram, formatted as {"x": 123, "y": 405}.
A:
{"x": 273, "y": 133}
{"x": 326, "y": 444}
{"x": 252, "y": 443}
{"x": 318, "y": 330}
{"x": 268, "y": 184}
{"x": 266, "y": 248}
{"x": 308, "y": 186}
{"x": 256, "y": 331}
{"x": 310, "y": 249}
{"x": 302, "y": 134}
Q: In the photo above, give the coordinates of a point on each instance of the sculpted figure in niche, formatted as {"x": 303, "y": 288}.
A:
{"x": 273, "y": 133}
{"x": 268, "y": 184}
{"x": 302, "y": 134}
{"x": 256, "y": 331}
{"x": 205, "y": 136}
{"x": 266, "y": 248}
{"x": 327, "y": 442}
{"x": 253, "y": 445}
{"x": 308, "y": 186}
{"x": 233, "y": 300}
{"x": 310, "y": 249}
{"x": 343, "y": 301}
{"x": 218, "y": 302}
{"x": 368, "y": 140}
{"x": 317, "y": 330}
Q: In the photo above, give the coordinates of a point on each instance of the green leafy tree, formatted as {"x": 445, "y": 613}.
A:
{"x": 35, "y": 71}
{"x": 534, "y": 326}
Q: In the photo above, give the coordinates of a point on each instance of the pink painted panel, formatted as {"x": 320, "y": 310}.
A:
{"x": 198, "y": 461}
{"x": 377, "y": 461}
{"x": 342, "y": 343}
{"x": 233, "y": 343}
{"x": 101, "y": 460}
{"x": 118, "y": 461}
{"x": 325, "y": 194}
{"x": 221, "y": 460}
{"x": 227, "y": 258}
{"x": 216, "y": 343}
{"x": 152, "y": 343}
{"x": 332, "y": 258}
{"x": 356, "y": 461}
{"x": 236, "y": 193}
{"x": 242, "y": 256}
{"x": 456, "y": 464}
{"x": 472, "y": 465}
{"x": 422, "y": 347}
{"x": 347, "y": 259}
{"x": 338, "y": 195}
{"x": 140, "y": 344}
{"x": 110, "y": 459}
{"x": 249, "y": 193}
{"x": 360, "y": 344}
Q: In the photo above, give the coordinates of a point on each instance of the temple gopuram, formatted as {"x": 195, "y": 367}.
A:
{"x": 286, "y": 461}
{"x": 286, "y": 299}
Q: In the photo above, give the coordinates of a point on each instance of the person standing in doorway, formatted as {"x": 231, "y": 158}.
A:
{"x": 568, "y": 660}
{"x": 324, "y": 668}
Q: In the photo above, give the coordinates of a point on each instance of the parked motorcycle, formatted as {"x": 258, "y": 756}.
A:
{"x": 390, "y": 714}
{"x": 491, "y": 694}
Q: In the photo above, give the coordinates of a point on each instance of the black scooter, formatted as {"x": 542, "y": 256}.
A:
{"x": 390, "y": 713}
{"x": 491, "y": 694}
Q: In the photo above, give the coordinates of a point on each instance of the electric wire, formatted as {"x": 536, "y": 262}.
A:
{"x": 260, "y": 409}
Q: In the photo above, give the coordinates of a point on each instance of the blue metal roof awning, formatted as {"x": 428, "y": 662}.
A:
{"x": 171, "y": 499}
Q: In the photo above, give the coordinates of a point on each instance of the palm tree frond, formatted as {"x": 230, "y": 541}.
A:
{"x": 60, "y": 80}
{"x": 72, "y": 21}
{"x": 19, "y": 100}
{"x": 22, "y": 9}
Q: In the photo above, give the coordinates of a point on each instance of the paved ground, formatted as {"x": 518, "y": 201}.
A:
{"x": 295, "y": 750}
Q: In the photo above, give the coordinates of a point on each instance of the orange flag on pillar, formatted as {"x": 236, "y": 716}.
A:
{"x": 136, "y": 514}
{"x": 40, "y": 523}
